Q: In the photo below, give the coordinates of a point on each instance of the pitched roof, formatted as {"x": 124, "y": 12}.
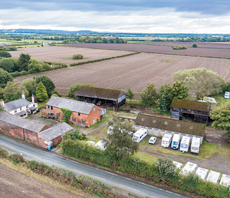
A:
{"x": 168, "y": 124}
{"x": 95, "y": 92}
{"x": 21, "y": 122}
{"x": 187, "y": 104}
{"x": 73, "y": 105}
{"x": 10, "y": 106}
{"x": 55, "y": 131}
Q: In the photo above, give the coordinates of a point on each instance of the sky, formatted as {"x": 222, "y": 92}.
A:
{"x": 132, "y": 16}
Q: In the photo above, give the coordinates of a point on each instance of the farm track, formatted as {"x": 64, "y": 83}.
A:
{"x": 133, "y": 72}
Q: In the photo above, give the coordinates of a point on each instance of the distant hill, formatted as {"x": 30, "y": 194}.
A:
{"x": 43, "y": 31}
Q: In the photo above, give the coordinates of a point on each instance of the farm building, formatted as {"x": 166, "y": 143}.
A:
{"x": 100, "y": 96}
{"x": 83, "y": 114}
{"x": 158, "y": 126}
{"x": 52, "y": 136}
{"x": 20, "y": 107}
{"x": 21, "y": 127}
{"x": 190, "y": 110}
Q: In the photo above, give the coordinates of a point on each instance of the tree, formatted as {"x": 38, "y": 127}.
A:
{"x": 201, "y": 82}
{"x": 1, "y": 94}
{"x": 73, "y": 135}
{"x": 166, "y": 167}
{"x": 194, "y": 45}
{"x": 149, "y": 95}
{"x": 130, "y": 94}
{"x": 23, "y": 62}
{"x": 30, "y": 85}
{"x": 47, "y": 82}
{"x": 221, "y": 117}
{"x": 4, "y": 78}
{"x": 41, "y": 92}
{"x": 119, "y": 142}
{"x": 165, "y": 96}
{"x": 34, "y": 66}
{"x": 179, "y": 90}
{"x": 5, "y": 54}
{"x": 13, "y": 91}
{"x": 7, "y": 64}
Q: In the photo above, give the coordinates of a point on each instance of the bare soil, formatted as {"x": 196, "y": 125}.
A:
{"x": 207, "y": 52}
{"x": 17, "y": 185}
{"x": 133, "y": 72}
{"x": 61, "y": 53}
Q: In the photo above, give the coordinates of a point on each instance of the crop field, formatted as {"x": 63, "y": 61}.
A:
{"x": 64, "y": 54}
{"x": 133, "y": 72}
{"x": 164, "y": 49}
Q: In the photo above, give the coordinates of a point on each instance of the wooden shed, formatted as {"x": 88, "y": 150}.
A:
{"x": 190, "y": 110}
{"x": 101, "y": 96}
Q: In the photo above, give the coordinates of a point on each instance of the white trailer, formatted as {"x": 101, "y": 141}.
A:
{"x": 175, "y": 141}
{"x": 166, "y": 140}
{"x": 213, "y": 177}
{"x": 195, "y": 145}
{"x": 184, "y": 145}
{"x": 188, "y": 168}
{"x": 202, "y": 173}
{"x": 225, "y": 180}
{"x": 139, "y": 134}
{"x": 177, "y": 164}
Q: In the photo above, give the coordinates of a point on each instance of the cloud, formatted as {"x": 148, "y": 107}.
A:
{"x": 212, "y": 7}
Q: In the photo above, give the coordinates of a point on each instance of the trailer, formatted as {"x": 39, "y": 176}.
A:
{"x": 166, "y": 140}
{"x": 184, "y": 145}
{"x": 213, "y": 177}
{"x": 225, "y": 180}
{"x": 139, "y": 134}
{"x": 195, "y": 145}
{"x": 202, "y": 173}
{"x": 175, "y": 141}
{"x": 189, "y": 168}
{"x": 177, "y": 164}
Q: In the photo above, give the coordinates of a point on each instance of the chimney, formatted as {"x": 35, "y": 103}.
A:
{"x": 23, "y": 96}
{"x": 2, "y": 102}
{"x": 32, "y": 98}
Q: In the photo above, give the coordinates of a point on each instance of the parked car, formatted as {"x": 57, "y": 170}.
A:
{"x": 152, "y": 140}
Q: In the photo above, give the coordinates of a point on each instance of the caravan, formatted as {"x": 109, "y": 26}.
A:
{"x": 195, "y": 145}
{"x": 175, "y": 141}
{"x": 139, "y": 134}
{"x": 166, "y": 140}
{"x": 184, "y": 145}
{"x": 189, "y": 168}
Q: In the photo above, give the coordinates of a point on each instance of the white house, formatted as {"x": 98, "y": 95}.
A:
{"x": 20, "y": 107}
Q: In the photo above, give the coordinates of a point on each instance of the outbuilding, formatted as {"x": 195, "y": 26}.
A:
{"x": 101, "y": 97}
{"x": 190, "y": 110}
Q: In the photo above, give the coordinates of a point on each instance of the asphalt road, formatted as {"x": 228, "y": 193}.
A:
{"x": 108, "y": 178}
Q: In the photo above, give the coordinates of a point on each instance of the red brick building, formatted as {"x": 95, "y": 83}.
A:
{"x": 84, "y": 114}
{"x": 53, "y": 136}
{"x": 20, "y": 127}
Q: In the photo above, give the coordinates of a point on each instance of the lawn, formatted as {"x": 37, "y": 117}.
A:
{"x": 220, "y": 101}
{"x": 151, "y": 159}
{"x": 41, "y": 104}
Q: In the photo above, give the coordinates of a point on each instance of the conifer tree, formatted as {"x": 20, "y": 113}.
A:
{"x": 41, "y": 92}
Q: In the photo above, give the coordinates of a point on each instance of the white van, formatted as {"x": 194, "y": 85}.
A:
{"x": 175, "y": 141}
{"x": 189, "y": 168}
{"x": 195, "y": 145}
{"x": 225, "y": 180}
{"x": 202, "y": 173}
{"x": 213, "y": 177}
{"x": 184, "y": 145}
{"x": 166, "y": 140}
{"x": 139, "y": 134}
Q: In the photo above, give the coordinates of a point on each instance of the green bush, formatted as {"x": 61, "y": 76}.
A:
{"x": 16, "y": 158}
{"x": 77, "y": 56}
{"x": 3, "y": 153}
{"x": 179, "y": 47}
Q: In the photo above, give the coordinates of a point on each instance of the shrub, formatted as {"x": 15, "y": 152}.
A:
{"x": 179, "y": 47}
{"x": 16, "y": 158}
{"x": 3, "y": 153}
{"x": 77, "y": 56}
{"x": 194, "y": 45}
{"x": 166, "y": 167}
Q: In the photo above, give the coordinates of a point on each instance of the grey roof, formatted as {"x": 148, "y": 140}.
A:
{"x": 73, "y": 105}
{"x": 21, "y": 122}
{"x": 10, "y": 106}
{"x": 55, "y": 131}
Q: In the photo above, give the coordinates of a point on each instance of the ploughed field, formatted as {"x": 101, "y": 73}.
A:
{"x": 133, "y": 72}
{"x": 164, "y": 48}
{"x": 64, "y": 54}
